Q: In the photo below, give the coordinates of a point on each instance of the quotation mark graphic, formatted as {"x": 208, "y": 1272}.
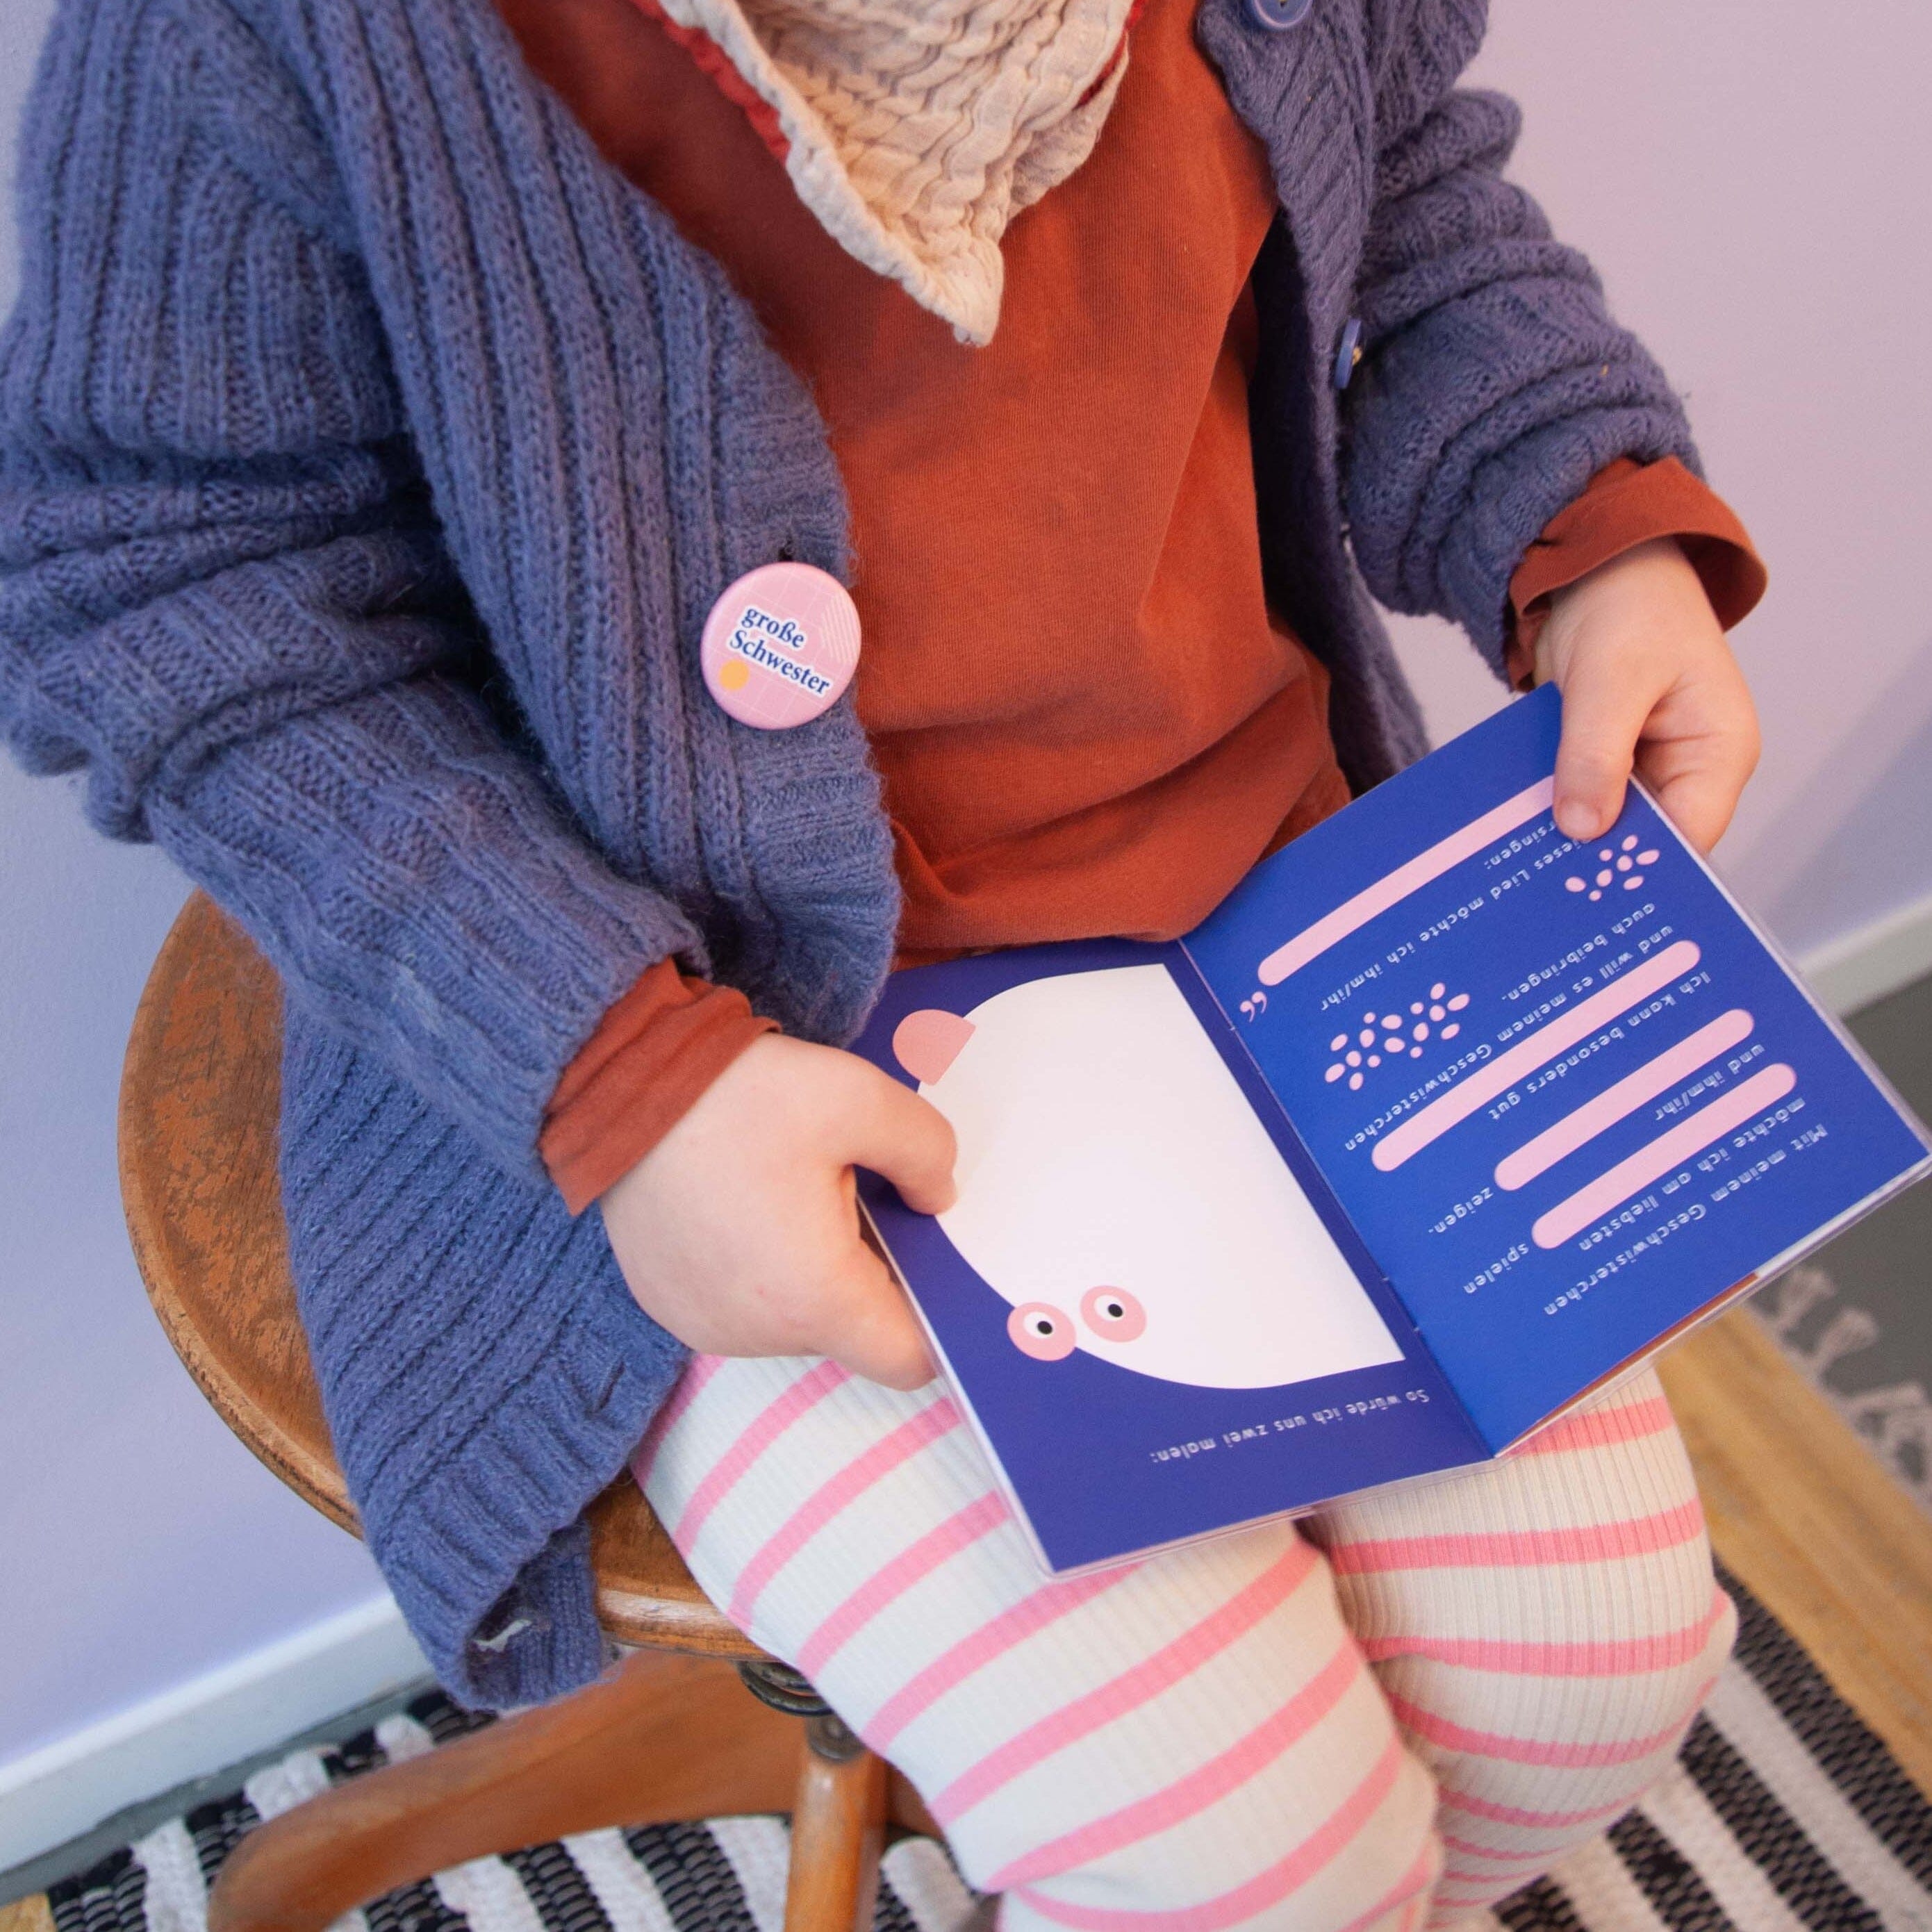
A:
{"x": 1624, "y": 859}
{"x": 1395, "y": 1036}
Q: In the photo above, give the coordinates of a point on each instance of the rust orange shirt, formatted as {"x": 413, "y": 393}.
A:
{"x": 1085, "y": 716}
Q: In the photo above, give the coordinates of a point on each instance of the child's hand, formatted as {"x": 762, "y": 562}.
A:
{"x": 738, "y": 1232}
{"x": 1644, "y": 668}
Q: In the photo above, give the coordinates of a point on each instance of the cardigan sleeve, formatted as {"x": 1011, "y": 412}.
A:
{"x": 224, "y": 598}
{"x": 1494, "y": 383}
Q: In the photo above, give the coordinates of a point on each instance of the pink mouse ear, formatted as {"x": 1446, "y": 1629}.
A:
{"x": 927, "y": 1042}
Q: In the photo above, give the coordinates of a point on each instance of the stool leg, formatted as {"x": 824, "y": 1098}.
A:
{"x": 661, "y": 1738}
{"x": 838, "y": 1830}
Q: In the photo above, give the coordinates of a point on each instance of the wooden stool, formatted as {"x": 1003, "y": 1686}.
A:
{"x": 663, "y": 1737}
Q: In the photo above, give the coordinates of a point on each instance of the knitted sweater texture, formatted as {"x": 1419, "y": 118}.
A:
{"x": 370, "y": 453}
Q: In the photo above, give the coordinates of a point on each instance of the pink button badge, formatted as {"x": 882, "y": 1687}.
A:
{"x": 780, "y": 645}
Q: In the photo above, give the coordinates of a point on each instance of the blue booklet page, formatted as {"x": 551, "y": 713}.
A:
{"x": 1565, "y": 1093}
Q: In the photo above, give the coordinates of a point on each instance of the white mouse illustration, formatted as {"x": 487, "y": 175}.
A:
{"x": 1118, "y": 1190}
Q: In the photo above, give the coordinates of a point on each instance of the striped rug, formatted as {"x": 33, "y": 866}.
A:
{"x": 1785, "y": 1814}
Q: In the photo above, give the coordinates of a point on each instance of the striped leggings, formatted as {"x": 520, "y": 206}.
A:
{"x": 1387, "y": 1715}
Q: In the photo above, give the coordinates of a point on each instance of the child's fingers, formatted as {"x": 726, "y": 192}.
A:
{"x": 879, "y": 1337}
{"x": 1605, "y": 705}
{"x": 1699, "y": 806}
{"x": 1698, "y": 783}
{"x": 907, "y": 1139}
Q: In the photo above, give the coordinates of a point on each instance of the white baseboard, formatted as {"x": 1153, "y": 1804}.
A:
{"x": 1879, "y": 958}
{"x": 235, "y": 1712}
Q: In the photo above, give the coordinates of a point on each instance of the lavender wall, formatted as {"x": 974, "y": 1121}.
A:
{"x": 141, "y": 1544}
{"x": 1754, "y": 181}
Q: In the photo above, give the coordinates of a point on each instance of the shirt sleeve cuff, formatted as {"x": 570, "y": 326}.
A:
{"x": 1627, "y": 504}
{"x": 653, "y": 1054}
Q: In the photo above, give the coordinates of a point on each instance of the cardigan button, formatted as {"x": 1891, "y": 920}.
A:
{"x": 1277, "y": 17}
{"x": 1348, "y": 353}
{"x": 780, "y": 645}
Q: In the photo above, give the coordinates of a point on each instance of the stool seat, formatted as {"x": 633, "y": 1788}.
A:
{"x": 200, "y": 1108}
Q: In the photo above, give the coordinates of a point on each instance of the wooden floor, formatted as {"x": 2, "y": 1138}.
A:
{"x": 1812, "y": 1526}
{"x": 1799, "y": 1510}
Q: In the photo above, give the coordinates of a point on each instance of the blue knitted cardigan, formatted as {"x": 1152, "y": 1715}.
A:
{"x": 370, "y": 452}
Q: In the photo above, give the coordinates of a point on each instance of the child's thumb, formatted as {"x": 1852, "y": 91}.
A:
{"x": 910, "y": 1142}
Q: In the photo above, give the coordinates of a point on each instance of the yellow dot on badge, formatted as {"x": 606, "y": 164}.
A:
{"x": 734, "y": 674}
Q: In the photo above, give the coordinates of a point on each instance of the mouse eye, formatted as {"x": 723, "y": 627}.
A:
{"x": 1113, "y": 1314}
{"x": 1039, "y": 1330}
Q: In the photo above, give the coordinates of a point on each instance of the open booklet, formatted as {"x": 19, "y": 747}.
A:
{"x": 1439, "y": 1123}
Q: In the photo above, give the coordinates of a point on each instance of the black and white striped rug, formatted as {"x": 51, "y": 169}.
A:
{"x": 1785, "y": 1814}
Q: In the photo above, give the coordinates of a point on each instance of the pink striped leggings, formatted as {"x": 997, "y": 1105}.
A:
{"x": 1387, "y": 1715}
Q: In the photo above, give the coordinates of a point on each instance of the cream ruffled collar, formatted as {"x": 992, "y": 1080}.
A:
{"x": 916, "y": 130}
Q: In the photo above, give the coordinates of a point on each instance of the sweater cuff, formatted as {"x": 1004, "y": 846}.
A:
{"x": 653, "y": 1055}
{"x": 491, "y": 1560}
{"x": 1626, "y": 504}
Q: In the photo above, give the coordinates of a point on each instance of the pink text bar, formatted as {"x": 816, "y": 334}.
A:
{"x": 1335, "y": 926}
{"x": 1614, "y": 1103}
{"x": 1544, "y": 1045}
{"x": 1652, "y": 1163}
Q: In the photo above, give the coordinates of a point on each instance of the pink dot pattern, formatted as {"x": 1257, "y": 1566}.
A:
{"x": 1400, "y": 1034}
{"x": 1616, "y": 865}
